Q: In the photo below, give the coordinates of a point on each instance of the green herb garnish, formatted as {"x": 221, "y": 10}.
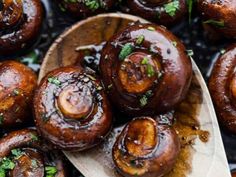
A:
{"x": 16, "y": 153}
{"x": 34, "y": 163}
{"x": 7, "y": 164}
{"x": 150, "y": 28}
{"x": 2, "y": 173}
{"x": 51, "y": 171}
{"x": 125, "y": 51}
{"x": 34, "y": 137}
{"x": 143, "y": 101}
{"x": 171, "y": 8}
{"x": 190, "y": 8}
{"x": 216, "y": 23}
{"x": 144, "y": 61}
{"x": 190, "y": 53}
{"x": 174, "y": 43}
{"x": 92, "y": 4}
{"x": 150, "y": 70}
{"x": 140, "y": 39}
{"x": 54, "y": 80}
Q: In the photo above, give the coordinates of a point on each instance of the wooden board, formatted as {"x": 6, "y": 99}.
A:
{"x": 197, "y": 159}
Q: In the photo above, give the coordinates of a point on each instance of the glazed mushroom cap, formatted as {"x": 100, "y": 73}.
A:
{"x": 71, "y": 109}
{"x": 24, "y": 151}
{"x": 17, "y": 85}
{"x": 145, "y": 70}
{"x": 20, "y": 24}
{"x": 84, "y": 9}
{"x": 222, "y": 86}
{"x": 161, "y": 11}
{"x": 146, "y": 149}
{"x": 219, "y": 15}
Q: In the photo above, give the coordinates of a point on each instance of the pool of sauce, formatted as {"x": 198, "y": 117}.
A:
{"x": 194, "y": 38}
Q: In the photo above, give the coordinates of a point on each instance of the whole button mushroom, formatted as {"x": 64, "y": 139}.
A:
{"x": 145, "y": 70}
{"x": 17, "y": 85}
{"x": 20, "y": 24}
{"x": 71, "y": 109}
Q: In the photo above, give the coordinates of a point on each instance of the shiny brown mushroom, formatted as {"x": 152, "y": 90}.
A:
{"x": 20, "y": 23}
{"x": 163, "y": 12}
{"x": 145, "y": 70}
{"x": 219, "y": 16}
{"x": 85, "y": 8}
{"x": 146, "y": 149}
{"x": 22, "y": 154}
{"x": 71, "y": 109}
{"x": 17, "y": 85}
{"x": 222, "y": 86}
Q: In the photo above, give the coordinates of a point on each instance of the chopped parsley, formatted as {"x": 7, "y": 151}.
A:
{"x": 174, "y": 43}
{"x": 54, "y": 80}
{"x": 171, "y": 8}
{"x": 216, "y": 23}
{"x": 150, "y": 28}
{"x": 16, "y": 153}
{"x": 190, "y": 9}
{"x": 140, "y": 39}
{"x": 190, "y": 53}
{"x": 7, "y": 164}
{"x": 150, "y": 70}
{"x": 92, "y": 4}
{"x": 143, "y": 101}
{"x": 34, "y": 137}
{"x": 34, "y": 163}
{"x": 144, "y": 61}
{"x": 126, "y": 50}
{"x": 51, "y": 171}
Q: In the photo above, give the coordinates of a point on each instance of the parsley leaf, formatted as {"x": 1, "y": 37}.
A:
{"x": 143, "y": 101}
{"x": 190, "y": 8}
{"x": 16, "y": 153}
{"x": 7, "y": 164}
{"x": 171, "y": 8}
{"x": 125, "y": 51}
{"x": 216, "y": 23}
{"x": 54, "y": 80}
{"x": 144, "y": 61}
{"x": 92, "y": 4}
{"x": 150, "y": 70}
{"x": 140, "y": 40}
{"x": 34, "y": 137}
{"x": 50, "y": 171}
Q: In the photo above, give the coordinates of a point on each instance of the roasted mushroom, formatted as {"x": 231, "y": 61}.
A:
{"x": 145, "y": 70}
{"x": 222, "y": 86}
{"x": 23, "y": 155}
{"x": 163, "y": 12}
{"x": 85, "y": 8}
{"x": 219, "y": 16}
{"x": 71, "y": 109}
{"x": 17, "y": 85}
{"x": 146, "y": 149}
{"x": 20, "y": 23}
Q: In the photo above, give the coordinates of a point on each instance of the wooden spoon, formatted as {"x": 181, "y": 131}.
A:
{"x": 202, "y": 153}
